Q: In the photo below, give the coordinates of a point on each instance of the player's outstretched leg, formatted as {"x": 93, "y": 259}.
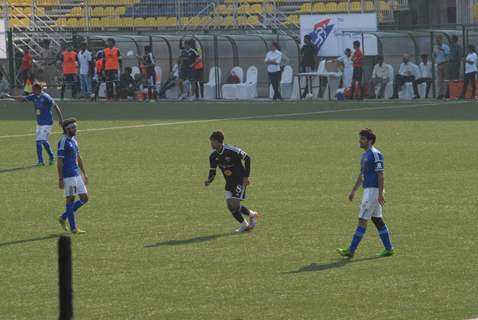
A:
{"x": 385, "y": 236}
{"x": 357, "y": 237}
{"x": 253, "y": 215}
{"x": 47, "y": 147}
{"x": 234, "y": 206}
{"x": 39, "y": 154}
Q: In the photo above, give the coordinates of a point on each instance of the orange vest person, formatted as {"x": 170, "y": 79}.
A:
{"x": 69, "y": 62}
{"x": 112, "y": 65}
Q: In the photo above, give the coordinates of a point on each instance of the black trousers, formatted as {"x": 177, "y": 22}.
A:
{"x": 274, "y": 78}
{"x": 428, "y": 81}
{"x": 111, "y": 77}
{"x": 400, "y": 81}
{"x": 469, "y": 78}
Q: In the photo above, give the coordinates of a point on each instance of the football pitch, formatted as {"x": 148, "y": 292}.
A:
{"x": 159, "y": 245}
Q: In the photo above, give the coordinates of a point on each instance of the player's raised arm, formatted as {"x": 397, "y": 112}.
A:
{"x": 18, "y": 98}
{"x": 212, "y": 170}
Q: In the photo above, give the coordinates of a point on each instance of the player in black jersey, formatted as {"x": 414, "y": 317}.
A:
{"x": 230, "y": 160}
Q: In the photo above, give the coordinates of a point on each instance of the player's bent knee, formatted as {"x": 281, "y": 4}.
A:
{"x": 363, "y": 222}
{"x": 84, "y": 198}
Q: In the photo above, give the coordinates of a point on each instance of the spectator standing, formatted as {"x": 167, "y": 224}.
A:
{"x": 308, "y": 54}
{"x": 441, "y": 53}
{"x": 171, "y": 83}
{"x": 113, "y": 66}
{"x": 26, "y": 66}
{"x": 198, "y": 72}
{"x": 380, "y": 77}
{"x": 347, "y": 67}
{"x": 70, "y": 70}
{"x": 456, "y": 55}
{"x": 98, "y": 74}
{"x": 4, "y": 86}
{"x": 85, "y": 61}
{"x": 406, "y": 73}
{"x": 470, "y": 71}
{"x": 149, "y": 66}
{"x": 357, "y": 59}
{"x": 273, "y": 61}
{"x": 186, "y": 64}
{"x": 425, "y": 76}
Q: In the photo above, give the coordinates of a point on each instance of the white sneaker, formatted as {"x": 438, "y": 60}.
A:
{"x": 181, "y": 97}
{"x": 243, "y": 229}
{"x": 253, "y": 219}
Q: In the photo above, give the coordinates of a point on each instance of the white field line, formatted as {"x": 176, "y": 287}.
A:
{"x": 266, "y": 116}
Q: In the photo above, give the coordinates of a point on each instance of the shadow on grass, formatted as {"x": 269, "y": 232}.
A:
{"x": 17, "y": 169}
{"x": 190, "y": 241}
{"x": 330, "y": 265}
{"x": 9, "y": 243}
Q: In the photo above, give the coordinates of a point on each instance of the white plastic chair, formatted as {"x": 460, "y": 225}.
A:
{"x": 211, "y": 85}
{"x": 389, "y": 88}
{"x": 248, "y": 89}
{"x": 287, "y": 80}
{"x": 407, "y": 90}
{"x": 229, "y": 90}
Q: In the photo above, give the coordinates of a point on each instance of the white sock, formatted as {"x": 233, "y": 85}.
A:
{"x": 245, "y": 223}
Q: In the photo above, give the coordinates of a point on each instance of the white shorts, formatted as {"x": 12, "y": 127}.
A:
{"x": 370, "y": 206}
{"x": 74, "y": 186}
{"x": 43, "y": 132}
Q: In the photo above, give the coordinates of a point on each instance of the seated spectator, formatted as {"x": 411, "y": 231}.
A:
{"x": 380, "y": 77}
{"x": 232, "y": 79}
{"x": 406, "y": 73}
{"x": 127, "y": 84}
{"x": 4, "y": 86}
{"x": 426, "y": 76}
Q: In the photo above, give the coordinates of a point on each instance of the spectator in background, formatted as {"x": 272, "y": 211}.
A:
{"x": 308, "y": 54}
{"x": 171, "y": 83}
{"x": 380, "y": 77}
{"x": 149, "y": 62}
{"x": 186, "y": 69}
{"x": 470, "y": 72}
{"x": 273, "y": 61}
{"x": 85, "y": 61}
{"x": 232, "y": 79}
{"x": 425, "y": 76}
{"x": 455, "y": 57}
{"x": 70, "y": 70}
{"x": 406, "y": 73}
{"x": 441, "y": 53}
{"x": 357, "y": 59}
{"x": 98, "y": 75}
{"x": 127, "y": 85}
{"x": 26, "y": 66}
{"x": 347, "y": 68}
{"x": 4, "y": 86}
{"x": 198, "y": 71}
{"x": 112, "y": 66}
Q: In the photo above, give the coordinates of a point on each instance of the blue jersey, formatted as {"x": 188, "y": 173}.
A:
{"x": 69, "y": 151}
{"x": 43, "y": 104}
{"x": 371, "y": 163}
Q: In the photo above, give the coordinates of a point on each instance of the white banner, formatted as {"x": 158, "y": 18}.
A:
{"x": 333, "y": 33}
{"x": 3, "y": 40}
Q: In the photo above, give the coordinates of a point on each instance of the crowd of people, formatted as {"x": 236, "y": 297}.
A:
{"x": 448, "y": 59}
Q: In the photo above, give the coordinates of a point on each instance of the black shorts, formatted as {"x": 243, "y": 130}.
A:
{"x": 198, "y": 75}
{"x": 235, "y": 191}
{"x": 357, "y": 74}
{"x": 186, "y": 73}
{"x": 111, "y": 75}
{"x": 69, "y": 79}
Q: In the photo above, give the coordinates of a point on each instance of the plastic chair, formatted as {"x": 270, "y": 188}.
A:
{"x": 248, "y": 89}
{"x": 211, "y": 85}
{"x": 229, "y": 90}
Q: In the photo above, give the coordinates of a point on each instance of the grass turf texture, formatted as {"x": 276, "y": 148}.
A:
{"x": 159, "y": 244}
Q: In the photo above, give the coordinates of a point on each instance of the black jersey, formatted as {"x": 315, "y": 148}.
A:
{"x": 229, "y": 160}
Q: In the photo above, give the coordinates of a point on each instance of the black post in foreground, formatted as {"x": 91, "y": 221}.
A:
{"x": 65, "y": 275}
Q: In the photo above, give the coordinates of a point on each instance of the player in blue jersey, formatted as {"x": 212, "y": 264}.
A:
{"x": 43, "y": 107}
{"x": 372, "y": 180}
{"x": 72, "y": 175}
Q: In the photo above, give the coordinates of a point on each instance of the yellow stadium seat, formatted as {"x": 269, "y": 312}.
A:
{"x": 95, "y": 22}
{"x": 162, "y": 22}
{"x": 356, "y": 6}
{"x": 318, "y": 7}
{"x": 384, "y": 5}
{"x": 61, "y": 22}
{"x": 255, "y": 9}
{"x": 97, "y": 12}
{"x": 242, "y": 20}
{"x": 172, "y": 22}
{"x": 342, "y": 7}
{"x": 306, "y": 7}
{"x": 293, "y": 19}
{"x": 244, "y": 9}
{"x": 150, "y": 22}
{"x": 138, "y": 22}
{"x": 268, "y": 7}
{"x": 221, "y": 9}
{"x": 331, "y": 7}
{"x": 253, "y": 20}
{"x": 184, "y": 21}
{"x": 369, "y": 6}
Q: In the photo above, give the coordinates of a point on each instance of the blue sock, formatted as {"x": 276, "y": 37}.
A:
{"x": 48, "y": 149}
{"x": 77, "y": 205}
{"x": 39, "y": 151}
{"x": 358, "y": 235}
{"x": 385, "y": 236}
{"x": 70, "y": 214}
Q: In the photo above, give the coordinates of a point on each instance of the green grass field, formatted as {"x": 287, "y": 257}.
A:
{"x": 159, "y": 245}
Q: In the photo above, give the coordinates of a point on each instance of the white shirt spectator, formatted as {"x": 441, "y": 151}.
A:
{"x": 381, "y": 71}
{"x": 348, "y": 70}
{"x": 408, "y": 69}
{"x": 84, "y": 59}
{"x": 275, "y": 56}
{"x": 426, "y": 69}
{"x": 471, "y": 57}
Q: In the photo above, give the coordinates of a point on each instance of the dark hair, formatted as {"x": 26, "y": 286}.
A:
{"x": 276, "y": 44}
{"x": 147, "y": 49}
{"x": 308, "y": 37}
{"x": 368, "y": 134}
{"x": 67, "y": 122}
{"x": 1, "y": 74}
{"x": 111, "y": 40}
{"x": 454, "y": 37}
{"x": 471, "y": 47}
{"x": 192, "y": 43}
{"x": 424, "y": 56}
{"x": 128, "y": 69}
{"x": 37, "y": 85}
{"x": 380, "y": 58}
{"x": 357, "y": 43}
{"x": 217, "y": 136}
